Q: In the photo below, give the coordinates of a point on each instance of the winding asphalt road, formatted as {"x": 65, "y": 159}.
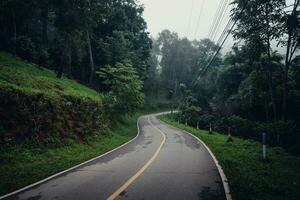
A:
{"x": 162, "y": 162}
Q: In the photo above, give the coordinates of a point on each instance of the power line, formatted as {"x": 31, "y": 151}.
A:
{"x": 220, "y": 16}
{"x": 190, "y": 19}
{"x": 220, "y": 19}
{"x": 228, "y": 25}
{"x": 219, "y": 48}
{"x": 215, "y": 18}
{"x": 199, "y": 17}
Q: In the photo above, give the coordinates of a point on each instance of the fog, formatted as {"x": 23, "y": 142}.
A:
{"x": 182, "y": 16}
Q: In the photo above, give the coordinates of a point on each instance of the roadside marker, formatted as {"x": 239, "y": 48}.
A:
{"x": 264, "y": 146}
{"x": 229, "y": 135}
{"x": 210, "y": 129}
{"x": 186, "y": 122}
{"x": 197, "y": 125}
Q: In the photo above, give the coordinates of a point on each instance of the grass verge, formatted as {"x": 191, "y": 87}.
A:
{"x": 249, "y": 177}
{"x": 27, "y": 163}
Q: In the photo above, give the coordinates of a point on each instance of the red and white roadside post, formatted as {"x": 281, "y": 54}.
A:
{"x": 264, "y": 146}
{"x": 229, "y": 135}
{"x": 210, "y": 129}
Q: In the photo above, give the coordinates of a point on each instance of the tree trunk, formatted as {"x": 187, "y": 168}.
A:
{"x": 69, "y": 55}
{"x": 92, "y": 68}
{"x": 270, "y": 70}
{"x": 288, "y": 57}
{"x": 285, "y": 77}
{"x": 14, "y": 33}
{"x": 270, "y": 83}
{"x": 45, "y": 26}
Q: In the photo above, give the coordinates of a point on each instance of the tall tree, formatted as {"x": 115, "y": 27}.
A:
{"x": 291, "y": 29}
{"x": 260, "y": 18}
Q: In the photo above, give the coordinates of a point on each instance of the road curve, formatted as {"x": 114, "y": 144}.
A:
{"x": 161, "y": 163}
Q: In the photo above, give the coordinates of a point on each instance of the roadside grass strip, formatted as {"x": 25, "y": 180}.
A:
{"x": 249, "y": 176}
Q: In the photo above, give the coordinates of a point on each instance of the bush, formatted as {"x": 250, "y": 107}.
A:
{"x": 281, "y": 133}
{"x": 26, "y": 48}
{"x": 239, "y": 126}
{"x": 125, "y": 88}
{"x": 38, "y": 116}
{"x": 205, "y": 120}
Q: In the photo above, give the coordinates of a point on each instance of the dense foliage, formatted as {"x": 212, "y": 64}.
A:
{"x": 252, "y": 88}
{"x": 76, "y": 38}
{"x": 34, "y": 104}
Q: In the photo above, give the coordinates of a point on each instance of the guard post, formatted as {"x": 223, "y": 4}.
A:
{"x": 264, "y": 146}
{"x": 229, "y": 135}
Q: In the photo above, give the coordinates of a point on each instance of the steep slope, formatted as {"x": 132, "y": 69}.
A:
{"x": 34, "y": 103}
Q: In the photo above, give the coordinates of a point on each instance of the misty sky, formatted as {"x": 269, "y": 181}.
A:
{"x": 182, "y": 16}
{"x": 175, "y": 15}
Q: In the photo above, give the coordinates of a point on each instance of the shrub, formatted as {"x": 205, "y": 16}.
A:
{"x": 239, "y": 126}
{"x": 205, "y": 120}
{"x": 281, "y": 133}
{"x": 36, "y": 115}
{"x": 124, "y": 88}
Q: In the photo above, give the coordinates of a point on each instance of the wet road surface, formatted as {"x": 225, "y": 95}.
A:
{"x": 161, "y": 163}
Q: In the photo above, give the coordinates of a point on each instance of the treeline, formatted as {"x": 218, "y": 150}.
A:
{"x": 176, "y": 61}
{"x": 76, "y": 37}
{"x": 252, "y": 88}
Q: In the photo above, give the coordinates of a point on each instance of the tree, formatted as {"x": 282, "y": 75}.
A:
{"x": 291, "y": 29}
{"x": 124, "y": 88}
{"x": 260, "y": 19}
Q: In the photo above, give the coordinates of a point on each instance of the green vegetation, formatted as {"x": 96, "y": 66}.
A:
{"x": 252, "y": 88}
{"x": 251, "y": 178}
{"x": 27, "y": 77}
{"x": 236, "y": 91}
{"x": 124, "y": 88}
{"x": 49, "y": 124}
{"x": 36, "y": 104}
{"x": 76, "y": 38}
{"x": 23, "y": 164}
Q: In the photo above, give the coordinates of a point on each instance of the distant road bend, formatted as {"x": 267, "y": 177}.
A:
{"x": 162, "y": 162}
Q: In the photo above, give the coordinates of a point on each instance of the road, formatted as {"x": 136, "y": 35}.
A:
{"x": 162, "y": 162}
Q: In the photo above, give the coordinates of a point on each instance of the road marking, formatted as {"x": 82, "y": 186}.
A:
{"x": 221, "y": 172}
{"x": 138, "y": 173}
{"x": 74, "y": 167}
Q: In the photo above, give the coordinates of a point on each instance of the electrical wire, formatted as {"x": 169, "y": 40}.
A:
{"x": 200, "y": 74}
{"x": 220, "y": 20}
{"x": 190, "y": 19}
{"x": 216, "y": 16}
{"x": 199, "y": 18}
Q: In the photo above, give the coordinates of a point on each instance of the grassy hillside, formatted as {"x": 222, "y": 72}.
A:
{"x": 48, "y": 124}
{"x": 29, "y": 78}
{"x": 251, "y": 178}
{"x": 36, "y": 104}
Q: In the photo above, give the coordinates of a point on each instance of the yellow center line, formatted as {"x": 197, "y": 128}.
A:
{"x": 138, "y": 173}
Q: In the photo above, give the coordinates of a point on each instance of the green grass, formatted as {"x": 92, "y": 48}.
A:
{"x": 30, "y": 78}
{"x": 26, "y": 161}
{"x": 251, "y": 178}
{"x": 30, "y": 162}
